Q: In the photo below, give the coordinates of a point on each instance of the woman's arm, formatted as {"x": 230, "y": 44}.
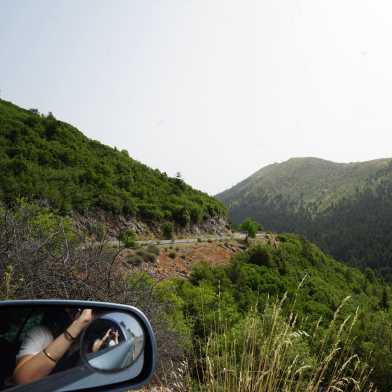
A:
{"x": 110, "y": 334}
{"x": 99, "y": 342}
{"x": 30, "y": 368}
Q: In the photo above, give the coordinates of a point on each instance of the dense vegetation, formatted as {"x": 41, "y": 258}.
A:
{"x": 345, "y": 208}
{"x": 218, "y": 301}
{"x": 271, "y": 320}
{"x": 41, "y": 257}
{"x": 43, "y": 158}
{"x": 273, "y": 315}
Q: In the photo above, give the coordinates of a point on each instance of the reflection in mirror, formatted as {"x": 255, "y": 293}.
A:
{"x": 36, "y": 342}
{"x": 113, "y": 342}
{"x": 54, "y": 344}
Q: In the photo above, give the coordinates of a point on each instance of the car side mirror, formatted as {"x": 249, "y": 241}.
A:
{"x": 114, "y": 350}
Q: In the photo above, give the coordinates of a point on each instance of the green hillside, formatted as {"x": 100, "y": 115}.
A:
{"x": 217, "y": 300}
{"x": 344, "y": 208}
{"x": 281, "y": 313}
{"x": 43, "y": 158}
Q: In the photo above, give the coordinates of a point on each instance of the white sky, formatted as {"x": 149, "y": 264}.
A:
{"x": 214, "y": 89}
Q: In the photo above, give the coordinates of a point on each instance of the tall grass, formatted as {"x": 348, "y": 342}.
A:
{"x": 269, "y": 352}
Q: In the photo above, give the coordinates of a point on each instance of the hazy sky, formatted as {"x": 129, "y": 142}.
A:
{"x": 214, "y": 89}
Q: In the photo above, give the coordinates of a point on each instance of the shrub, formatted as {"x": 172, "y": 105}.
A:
{"x": 182, "y": 216}
{"x": 250, "y": 227}
{"x": 150, "y": 257}
{"x": 196, "y": 214}
{"x": 98, "y": 230}
{"x": 134, "y": 259}
{"x": 128, "y": 238}
{"x": 167, "y": 230}
{"x": 153, "y": 249}
{"x": 150, "y": 212}
{"x": 260, "y": 255}
{"x": 281, "y": 237}
{"x": 147, "y": 256}
{"x": 7, "y": 286}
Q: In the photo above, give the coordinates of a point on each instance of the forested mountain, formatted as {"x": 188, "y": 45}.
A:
{"x": 346, "y": 208}
{"x": 44, "y": 158}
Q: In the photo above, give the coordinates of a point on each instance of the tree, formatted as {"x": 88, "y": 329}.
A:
{"x": 128, "y": 238}
{"x": 384, "y": 303}
{"x": 167, "y": 230}
{"x": 250, "y": 227}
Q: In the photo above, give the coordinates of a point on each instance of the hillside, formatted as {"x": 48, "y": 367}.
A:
{"x": 44, "y": 158}
{"x": 315, "y": 285}
{"x": 196, "y": 308}
{"x": 346, "y": 208}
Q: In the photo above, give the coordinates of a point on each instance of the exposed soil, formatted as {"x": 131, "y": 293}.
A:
{"x": 177, "y": 260}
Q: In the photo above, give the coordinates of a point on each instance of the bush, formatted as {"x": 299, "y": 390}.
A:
{"x": 147, "y": 256}
{"x": 153, "y": 249}
{"x": 150, "y": 212}
{"x": 182, "y": 216}
{"x": 134, "y": 260}
{"x": 167, "y": 230}
{"x": 172, "y": 255}
{"x": 250, "y": 227}
{"x": 196, "y": 214}
{"x": 260, "y": 255}
{"x": 98, "y": 230}
{"x": 128, "y": 238}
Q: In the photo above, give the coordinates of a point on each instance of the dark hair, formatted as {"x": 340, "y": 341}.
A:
{"x": 56, "y": 320}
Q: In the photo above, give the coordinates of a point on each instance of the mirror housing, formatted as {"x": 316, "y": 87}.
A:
{"x": 116, "y": 351}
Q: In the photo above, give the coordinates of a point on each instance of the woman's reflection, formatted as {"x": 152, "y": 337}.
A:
{"x": 50, "y": 345}
{"x": 108, "y": 340}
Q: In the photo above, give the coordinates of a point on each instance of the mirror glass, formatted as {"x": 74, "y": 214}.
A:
{"x": 68, "y": 347}
{"x": 113, "y": 342}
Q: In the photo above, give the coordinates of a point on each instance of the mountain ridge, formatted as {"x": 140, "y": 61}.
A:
{"x": 295, "y": 169}
{"x": 342, "y": 207}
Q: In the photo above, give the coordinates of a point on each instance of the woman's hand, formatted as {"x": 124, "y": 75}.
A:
{"x": 85, "y": 318}
{"x": 99, "y": 342}
{"x": 115, "y": 334}
{"x": 81, "y": 322}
